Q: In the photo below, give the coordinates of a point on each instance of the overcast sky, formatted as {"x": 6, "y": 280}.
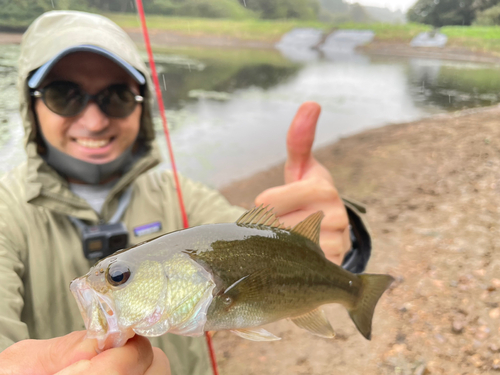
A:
{"x": 391, "y": 4}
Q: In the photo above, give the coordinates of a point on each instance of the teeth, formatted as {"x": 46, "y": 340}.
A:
{"x": 93, "y": 143}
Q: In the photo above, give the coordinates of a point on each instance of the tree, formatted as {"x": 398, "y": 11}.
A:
{"x": 442, "y": 12}
{"x": 488, "y": 17}
{"x": 480, "y": 5}
{"x": 20, "y": 13}
{"x": 273, "y": 9}
{"x": 358, "y": 14}
{"x": 334, "y": 6}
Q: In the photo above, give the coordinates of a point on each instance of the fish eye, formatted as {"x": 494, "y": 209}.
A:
{"x": 117, "y": 274}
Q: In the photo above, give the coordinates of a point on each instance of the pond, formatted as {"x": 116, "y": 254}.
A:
{"x": 229, "y": 110}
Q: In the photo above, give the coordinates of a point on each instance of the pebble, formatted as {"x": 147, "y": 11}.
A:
{"x": 457, "y": 326}
{"x": 481, "y": 335}
{"x": 494, "y": 348}
{"x": 495, "y": 313}
{"x": 476, "y": 360}
{"x": 407, "y": 306}
{"x": 440, "y": 338}
{"x": 421, "y": 370}
{"x": 496, "y": 364}
{"x": 495, "y": 283}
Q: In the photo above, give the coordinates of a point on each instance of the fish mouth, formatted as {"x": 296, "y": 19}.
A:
{"x": 99, "y": 315}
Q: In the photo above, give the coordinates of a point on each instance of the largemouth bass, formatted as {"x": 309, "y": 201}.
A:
{"x": 235, "y": 276}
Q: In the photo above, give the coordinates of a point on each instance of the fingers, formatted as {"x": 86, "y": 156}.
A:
{"x": 47, "y": 356}
{"x": 134, "y": 358}
{"x": 300, "y": 195}
{"x": 62, "y": 351}
{"x": 300, "y": 139}
{"x": 160, "y": 365}
{"x": 335, "y": 244}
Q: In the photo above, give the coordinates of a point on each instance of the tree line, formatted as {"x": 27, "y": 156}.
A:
{"x": 19, "y": 13}
{"x": 455, "y": 12}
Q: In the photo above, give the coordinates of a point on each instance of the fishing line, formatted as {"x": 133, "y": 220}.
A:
{"x": 161, "y": 108}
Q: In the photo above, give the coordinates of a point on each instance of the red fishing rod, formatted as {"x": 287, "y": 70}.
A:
{"x": 159, "y": 99}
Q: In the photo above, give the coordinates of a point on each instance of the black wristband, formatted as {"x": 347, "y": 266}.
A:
{"x": 357, "y": 258}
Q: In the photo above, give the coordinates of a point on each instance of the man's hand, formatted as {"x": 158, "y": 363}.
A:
{"x": 72, "y": 354}
{"x": 309, "y": 188}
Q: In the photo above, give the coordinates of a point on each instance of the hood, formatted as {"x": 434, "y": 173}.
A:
{"x": 47, "y": 36}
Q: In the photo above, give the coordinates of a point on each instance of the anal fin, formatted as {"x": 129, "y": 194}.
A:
{"x": 255, "y": 334}
{"x": 315, "y": 322}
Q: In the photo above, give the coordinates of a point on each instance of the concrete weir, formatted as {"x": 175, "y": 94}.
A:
{"x": 309, "y": 44}
{"x": 429, "y": 39}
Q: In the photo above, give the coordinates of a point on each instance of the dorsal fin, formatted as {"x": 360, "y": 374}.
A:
{"x": 310, "y": 227}
{"x": 260, "y": 216}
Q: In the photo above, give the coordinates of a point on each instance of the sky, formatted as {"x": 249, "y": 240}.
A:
{"x": 391, "y": 4}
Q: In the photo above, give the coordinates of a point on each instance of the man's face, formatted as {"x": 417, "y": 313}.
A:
{"x": 90, "y": 136}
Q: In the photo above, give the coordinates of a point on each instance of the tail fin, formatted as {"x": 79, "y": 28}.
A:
{"x": 362, "y": 313}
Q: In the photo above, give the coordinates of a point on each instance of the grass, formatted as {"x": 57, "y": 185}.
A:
{"x": 389, "y": 32}
{"x": 246, "y": 29}
{"x": 477, "y": 38}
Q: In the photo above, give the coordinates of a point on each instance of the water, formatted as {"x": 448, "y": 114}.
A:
{"x": 229, "y": 110}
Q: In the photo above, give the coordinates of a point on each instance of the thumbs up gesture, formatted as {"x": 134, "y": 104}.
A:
{"x": 309, "y": 188}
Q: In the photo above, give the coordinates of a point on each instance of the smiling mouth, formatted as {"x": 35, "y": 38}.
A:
{"x": 93, "y": 143}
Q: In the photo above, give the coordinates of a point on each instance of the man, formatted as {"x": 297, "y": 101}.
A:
{"x": 86, "y": 102}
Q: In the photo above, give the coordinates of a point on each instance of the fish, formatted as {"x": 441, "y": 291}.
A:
{"x": 229, "y": 276}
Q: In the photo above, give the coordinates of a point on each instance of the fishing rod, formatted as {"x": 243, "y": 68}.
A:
{"x": 159, "y": 98}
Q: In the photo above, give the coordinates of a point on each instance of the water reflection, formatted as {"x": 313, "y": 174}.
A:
{"x": 229, "y": 110}
{"x": 443, "y": 84}
{"x": 222, "y": 77}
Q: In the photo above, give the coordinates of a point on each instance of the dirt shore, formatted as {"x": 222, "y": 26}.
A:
{"x": 432, "y": 189}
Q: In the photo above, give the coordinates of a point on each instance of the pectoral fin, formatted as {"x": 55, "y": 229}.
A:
{"x": 315, "y": 322}
{"x": 255, "y": 334}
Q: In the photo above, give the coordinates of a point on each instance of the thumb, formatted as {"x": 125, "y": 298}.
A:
{"x": 60, "y": 352}
{"x": 299, "y": 141}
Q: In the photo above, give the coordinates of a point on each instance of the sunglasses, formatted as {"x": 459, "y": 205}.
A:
{"x": 67, "y": 99}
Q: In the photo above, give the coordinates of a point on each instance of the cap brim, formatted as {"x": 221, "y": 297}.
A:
{"x": 42, "y": 72}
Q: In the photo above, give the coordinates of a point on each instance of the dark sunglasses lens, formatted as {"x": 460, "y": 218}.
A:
{"x": 117, "y": 101}
{"x": 64, "y": 98}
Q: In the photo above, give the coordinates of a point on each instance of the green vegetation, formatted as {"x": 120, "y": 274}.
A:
{"x": 477, "y": 38}
{"x": 389, "y": 32}
{"x": 247, "y": 29}
{"x": 282, "y": 9}
{"x": 20, "y": 13}
{"x": 488, "y": 17}
{"x": 253, "y": 23}
{"x": 440, "y": 13}
{"x": 17, "y": 15}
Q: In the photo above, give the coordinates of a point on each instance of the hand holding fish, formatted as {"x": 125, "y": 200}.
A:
{"x": 72, "y": 354}
{"x": 309, "y": 188}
